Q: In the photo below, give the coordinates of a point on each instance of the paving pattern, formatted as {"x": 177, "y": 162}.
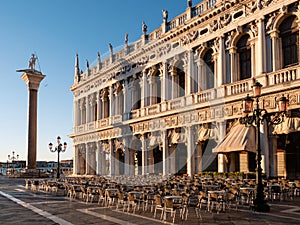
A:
{"x": 21, "y": 206}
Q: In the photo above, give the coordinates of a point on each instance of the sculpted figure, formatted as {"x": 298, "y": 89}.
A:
{"x": 32, "y": 61}
{"x": 165, "y": 15}
{"x": 144, "y": 27}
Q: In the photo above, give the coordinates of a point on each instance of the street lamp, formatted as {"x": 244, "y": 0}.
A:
{"x": 258, "y": 117}
{"x": 59, "y": 148}
{"x": 12, "y": 158}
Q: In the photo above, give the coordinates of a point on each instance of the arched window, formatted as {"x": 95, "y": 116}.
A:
{"x": 244, "y": 56}
{"x": 289, "y": 35}
{"x": 209, "y": 70}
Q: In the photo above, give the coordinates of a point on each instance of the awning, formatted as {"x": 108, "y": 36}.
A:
{"x": 239, "y": 138}
{"x": 154, "y": 141}
{"x": 205, "y": 133}
{"x": 289, "y": 125}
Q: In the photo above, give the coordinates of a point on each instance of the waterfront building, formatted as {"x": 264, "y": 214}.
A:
{"x": 164, "y": 103}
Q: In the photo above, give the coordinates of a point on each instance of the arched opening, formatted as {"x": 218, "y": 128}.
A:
{"x": 244, "y": 57}
{"x": 289, "y": 35}
{"x": 209, "y": 72}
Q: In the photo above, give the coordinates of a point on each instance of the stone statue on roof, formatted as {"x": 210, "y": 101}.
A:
{"x": 190, "y": 4}
{"x": 144, "y": 28}
{"x": 165, "y": 15}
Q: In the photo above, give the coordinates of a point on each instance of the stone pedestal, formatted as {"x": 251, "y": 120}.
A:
{"x": 32, "y": 79}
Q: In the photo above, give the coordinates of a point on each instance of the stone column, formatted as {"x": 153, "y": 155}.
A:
{"x": 233, "y": 64}
{"x": 221, "y": 157}
{"x": 144, "y": 154}
{"x": 112, "y": 157}
{"x": 190, "y": 150}
{"x": 111, "y": 102}
{"x": 88, "y": 109}
{"x": 126, "y": 141}
{"x": 261, "y": 47}
{"x": 221, "y": 77}
{"x": 276, "y": 59}
{"x": 76, "y": 160}
{"x": 98, "y": 100}
{"x": 32, "y": 79}
{"x": 165, "y": 150}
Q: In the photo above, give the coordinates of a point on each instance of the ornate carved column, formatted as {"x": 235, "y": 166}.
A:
{"x": 189, "y": 72}
{"x": 164, "y": 81}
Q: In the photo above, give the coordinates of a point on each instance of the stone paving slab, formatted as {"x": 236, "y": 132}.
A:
{"x": 21, "y": 206}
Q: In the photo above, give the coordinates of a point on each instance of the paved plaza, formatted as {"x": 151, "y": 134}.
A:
{"x": 23, "y": 206}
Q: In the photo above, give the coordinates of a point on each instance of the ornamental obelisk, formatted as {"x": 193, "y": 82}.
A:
{"x": 32, "y": 78}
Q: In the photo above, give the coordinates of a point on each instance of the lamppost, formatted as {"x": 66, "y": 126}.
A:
{"x": 12, "y": 158}
{"x": 59, "y": 148}
{"x": 258, "y": 117}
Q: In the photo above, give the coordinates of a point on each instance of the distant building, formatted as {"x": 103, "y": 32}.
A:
{"x": 163, "y": 103}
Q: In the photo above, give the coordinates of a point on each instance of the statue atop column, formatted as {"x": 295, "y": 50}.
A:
{"x": 190, "y": 4}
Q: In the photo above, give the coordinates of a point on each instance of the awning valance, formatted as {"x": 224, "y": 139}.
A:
{"x": 239, "y": 138}
{"x": 289, "y": 125}
{"x": 154, "y": 141}
{"x": 205, "y": 133}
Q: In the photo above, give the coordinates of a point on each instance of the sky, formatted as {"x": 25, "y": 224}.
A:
{"x": 55, "y": 30}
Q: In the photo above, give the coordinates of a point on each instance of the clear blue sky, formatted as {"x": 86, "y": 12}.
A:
{"x": 56, "y": 30}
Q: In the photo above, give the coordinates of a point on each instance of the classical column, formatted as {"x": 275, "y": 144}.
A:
{"x": 143, "y": 85}
{"x": 189, "y": 72}
{"x": 233, "y": 64}
{"x": 253, "y": 53}
{"x": 174, "y": 84}
{"x": 221, "y": 64}
{"x": 75, "y": 112}
{"x": 32, "y": 79}
{"x": 221, "y": 157}
{"x": 87, "y": 157}
{"x": 99, "y": 106}
{"x": 165, "y": 150}
{"x": 111, "y": 102}
{"x": 88, "y": 109}
{"x": 76, "y": 160}
{"x": 164, "y": 81}
{"x": 190, "y": 150}
{"x": 144, "y": 154}
{"x": 125, "y": 101}
{"x": 112, "y": 157}
{"x": 275, "y": 50}
{"x": 261, "y": 47}
{"x": 126, "y": 142}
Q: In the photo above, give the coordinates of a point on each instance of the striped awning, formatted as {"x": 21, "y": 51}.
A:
{"x": 239, "y": 138}
{"x": 289, "y": 125}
